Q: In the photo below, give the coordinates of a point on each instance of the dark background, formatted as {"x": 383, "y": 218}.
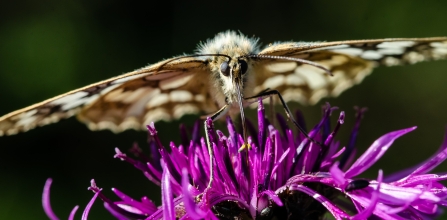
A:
{"x": 50, "y": 47}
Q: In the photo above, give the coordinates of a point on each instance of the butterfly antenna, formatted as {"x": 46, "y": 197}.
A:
{"x": 294, "y": 59}
{"x": 189, "y": 56}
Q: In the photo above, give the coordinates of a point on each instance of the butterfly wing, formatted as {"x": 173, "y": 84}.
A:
{"x": 349, "y": 61}
{"x": 109, "y": 103}
{"x": 136, "y": 103}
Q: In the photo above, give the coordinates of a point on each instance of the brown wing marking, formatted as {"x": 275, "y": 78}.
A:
{"x": 349, "y": 61}
{"x": 70, "y": 103}
{"x": 136, "y": 103}
{"x": 438, "y": 44}
{"x": 307, "y": 84}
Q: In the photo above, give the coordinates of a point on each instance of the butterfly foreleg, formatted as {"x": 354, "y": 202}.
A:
{"x": 213, "y": 117}
{"x": 269, "y": 94}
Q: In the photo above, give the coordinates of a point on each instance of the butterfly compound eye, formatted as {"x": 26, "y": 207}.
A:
{"x": 225, "y": 68}
{"x": 244, "y": 66}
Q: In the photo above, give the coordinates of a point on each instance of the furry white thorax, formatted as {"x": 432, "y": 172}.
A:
{"x": 234, "y": 45}
{"x": 229, "y": 43}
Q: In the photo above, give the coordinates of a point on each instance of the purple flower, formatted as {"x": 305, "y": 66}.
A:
{"x": 283, "y": 176}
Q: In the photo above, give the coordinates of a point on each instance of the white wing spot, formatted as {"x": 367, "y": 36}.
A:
{"x": 184, "y": 109}
{"x": 199, "y": 98}
{"x": 114, "y": 96}
{"x": 317, "y": 95}
{"x": 414, "y": 57}
{"x": 349, "y": 51}
{"x": 69, "y": 98}
{"x": 341, "y": 86}
{"x": 362, "y": 73}
{"x": 391, "y": 51}
{"x": 180, "y": 96}
{"x": 134, "y": 96}
{"x": 391, "y": 61}
{"x": 76, "y": 103}
{"x": 342, "y": 46}
{"x": 257, "y": 89}
{"x": 156, "y": 115}
{"x": 371, "y": 55}
{"x": 24, "y": 114}
{"x": 282, "y": 67}
{"x": 274, "y": 82}
{"x": 102, "y": 125}
{"x": 439, "y": 44}
{"x": 294, "y": 80}
{"x": 158, "y": 100}
{"x": 440, "y": 50}
{"x": 396, "y": 44}
{"x": 45, "y": 121}
{"x": 175, "y": 82}
{"x": 26, "y": 121}
{"x": 109, "y": 88}
{"x": 130, "y": 123}
{"x": 313, "y": 75}
{"x": 125, "y": 79}
{"x": 293, "y": 94}
{"x": 137, "y": 108}
{"x": 12, "y": 131}
{"x": 334, "y": 61}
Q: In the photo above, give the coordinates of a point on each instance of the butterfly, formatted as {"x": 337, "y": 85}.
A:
{"x": 219, "y": 77}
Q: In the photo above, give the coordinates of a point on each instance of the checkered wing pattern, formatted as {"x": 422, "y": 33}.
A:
{"x": 184, "y": 85}
{"x": 128, "y": 101}
{"x": 349, "y": 61}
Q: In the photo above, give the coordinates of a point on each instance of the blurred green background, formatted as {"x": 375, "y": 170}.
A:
{"x": 49, "y": 47}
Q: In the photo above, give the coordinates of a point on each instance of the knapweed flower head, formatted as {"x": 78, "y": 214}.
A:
{"x": 283, "y": 176}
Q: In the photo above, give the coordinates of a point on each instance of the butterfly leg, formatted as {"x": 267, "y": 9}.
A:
{"x": 271, "y": 93}
{"x": 213, "y": 117}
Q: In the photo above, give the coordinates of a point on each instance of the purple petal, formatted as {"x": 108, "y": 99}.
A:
{"x": 46, "y": 200}
{"x": 184, "y": 136}
{"x": 337, "y": 174}
{"x": 136, "y": 206}
{"x": 375, "y": 152}
{"x": 222, "y": 170}
{"x": 373, "y": 202}
{"x": 426, "y": 207}
{"x": 166, "y": 192}
{"x": 196, "y": 132}
{"x": 334, "y": 210}
{"x": 115, "y": 213}
{"x": 151, "y": 129}
{"x": 153, "y": 175}
{"x": 330, "y": 138}
{"x": 420, "y": 179}
{"x": 396, "y": 195}
{"x": 381, "y": 210}
{"x": 275, "y": 198}
{"x": 278, "y": 163}
{"x": 89, "y": 206}
{"x": 159, "y": 213}
{"x": 73, "y": 212}
{"x": 261, "y": 125}
{"x": 431, "y": 163}
{"x": 190, "y": 206}
{"x": 350, "y": 148}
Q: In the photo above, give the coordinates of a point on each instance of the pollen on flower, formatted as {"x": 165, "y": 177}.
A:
{"x": 283, "y": 175}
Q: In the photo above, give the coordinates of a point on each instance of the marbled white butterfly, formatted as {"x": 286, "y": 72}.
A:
{"x": 223, "y": 72}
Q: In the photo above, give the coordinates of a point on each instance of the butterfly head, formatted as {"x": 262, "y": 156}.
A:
{"x": 231, "y": 70}
{"x": 233, "y": 75}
